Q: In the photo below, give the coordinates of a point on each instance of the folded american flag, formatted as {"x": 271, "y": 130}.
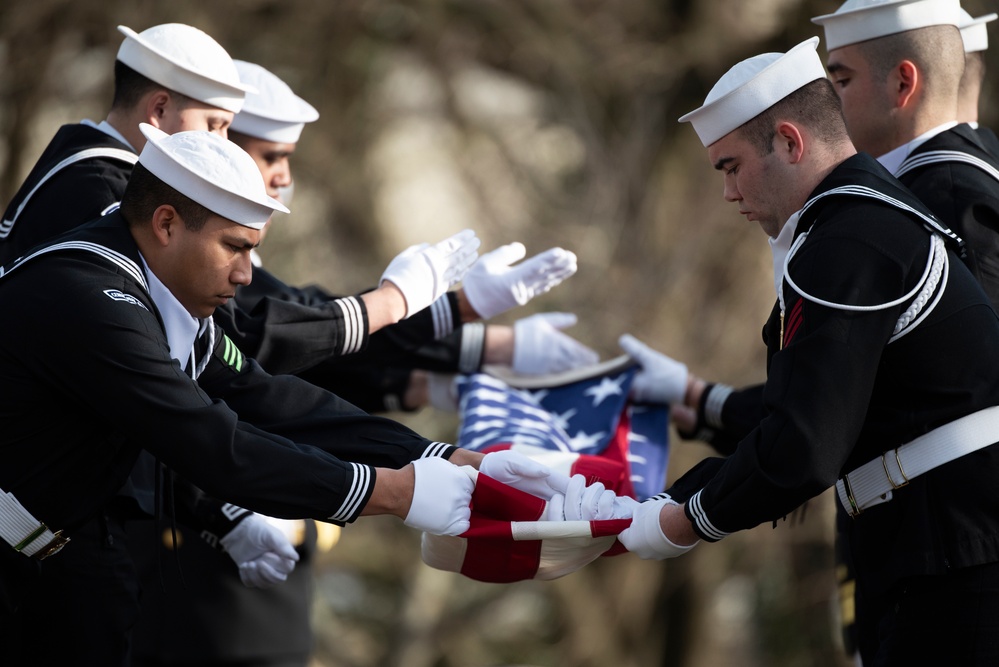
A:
{"x": 576, "y": 423}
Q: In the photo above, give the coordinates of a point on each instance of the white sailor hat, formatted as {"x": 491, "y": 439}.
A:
{"x": 753, "y": 86}
{"x": 274, "y": 112}
{"x": 861, "y": 20}
{"x": 212, "y": 171}
{"x": 973, "y": 31}
{"x": 184, "y": 59}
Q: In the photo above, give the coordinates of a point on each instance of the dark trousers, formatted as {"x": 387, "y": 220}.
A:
{"x": 78, "y": 605}
{"x": 951, "y": 619}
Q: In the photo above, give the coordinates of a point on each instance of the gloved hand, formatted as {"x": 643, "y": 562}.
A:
{"x": 266, "y": 571}
{"x": 493, "y": 286}
{"x": 262, "y": 552}
{"x": 660, "y": 380}
{"x": 579, "y": 502}
{"x": 645, "y": 536}
{"x": 423, "y": 272}
{"x": 519, "y": 471}
{"x": 441, "y": 496}
{"x": 539, "y": 347}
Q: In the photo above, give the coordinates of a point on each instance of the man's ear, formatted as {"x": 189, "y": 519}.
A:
{"x": 156, "y": 107}
{"x": 789, "y": 141}
{"x": 166, "y": 221}
{"x": 905, "y": 80}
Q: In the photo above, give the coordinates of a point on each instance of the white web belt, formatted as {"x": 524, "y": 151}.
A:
{"x": 24, "y": 532}
{"x": 872, "y": 483}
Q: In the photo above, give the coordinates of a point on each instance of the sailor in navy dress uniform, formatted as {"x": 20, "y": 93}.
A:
{"x": 881, "y": 343}
{"x": 138, "y": 296}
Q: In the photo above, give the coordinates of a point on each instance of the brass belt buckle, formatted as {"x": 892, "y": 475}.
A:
{"x": 900, "y": 469}
{"x": 57, "y": 542}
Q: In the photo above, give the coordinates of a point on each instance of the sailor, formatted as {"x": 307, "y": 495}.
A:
{"x": 145, "y": 368}
{"x": 881, "y": 372}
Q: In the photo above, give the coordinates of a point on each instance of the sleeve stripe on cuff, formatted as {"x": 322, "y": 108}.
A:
{"x": 437, "y": 449}
{"x": 358, "y": 491}
{"x": 715, "y": 402}
{"x": 703, "y": 524}
{"x": 473, "y": 338}
{"x": 353, "y": 324}
{"x": 442, "y": 317}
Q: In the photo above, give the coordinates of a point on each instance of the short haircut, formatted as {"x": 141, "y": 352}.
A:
{"x": 130, "y": 86}
{"x": 938, "y": 52}
{"x": 145, "y": 193}
{"x": 815, "y": 106}
{"x": 974, "y": 70}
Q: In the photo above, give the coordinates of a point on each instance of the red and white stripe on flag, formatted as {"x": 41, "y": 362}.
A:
{"x": 508, "y": 540}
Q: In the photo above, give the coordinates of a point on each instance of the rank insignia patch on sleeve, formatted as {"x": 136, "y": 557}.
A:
{"x": 232, "y": 356}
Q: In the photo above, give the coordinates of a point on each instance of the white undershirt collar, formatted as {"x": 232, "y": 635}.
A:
{"x": 109, "y": 130}
{"x": 894, "y": 158}
{"x": 780, "y": 246}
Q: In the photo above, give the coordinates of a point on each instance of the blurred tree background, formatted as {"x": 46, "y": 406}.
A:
{"x": 552, "y": 122}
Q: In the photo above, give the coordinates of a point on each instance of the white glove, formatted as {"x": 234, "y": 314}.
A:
{"x": 645, "y": 537}
{"x": 519, "y": 471}
{"x": 579, "y": 502}
{"x": 661, "y": 379}
{"x": 441, "y": 496}
{"x": 266, "y": 571}
{"x": 262, "y": 552}
{"x": 539, "y": 347}
{"x": 493, "y": 286}
{"x": 423, "y": 272}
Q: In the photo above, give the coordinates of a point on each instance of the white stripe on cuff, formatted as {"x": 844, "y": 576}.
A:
{"x": 353, "y": 324}
{"x": 717, "y": 396}
{"x": 701, "y": 520}
{"x": 437, "y": 449}
{"x": 355, "y": 495}
{"x": 443, "y": 318}
{"x": 473, "y": 340}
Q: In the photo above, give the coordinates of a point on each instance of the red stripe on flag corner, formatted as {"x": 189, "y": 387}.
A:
{"x": 497, "y": 500}
{"x": 608, "y": 527}
{"x": 611, "y": 474}
{"x": 611, "y": 527}
{"x": 491, "y": 555}
{"x": 501, "y": 561}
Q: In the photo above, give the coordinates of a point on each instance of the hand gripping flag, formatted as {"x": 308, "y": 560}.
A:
{"x": 509, "y": 540}
{"x": 579, "y": 422}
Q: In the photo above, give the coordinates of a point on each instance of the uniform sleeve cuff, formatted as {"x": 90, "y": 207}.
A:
{"x": 355, "y": 324}
{"x": 361, "y": 484}
{"x": 709, "y": 410}
{"x": 439, "y": 449}
{"x": 699, "y": 518}
{"x": 445, "y": 316}
{"x": 473, "y": 345}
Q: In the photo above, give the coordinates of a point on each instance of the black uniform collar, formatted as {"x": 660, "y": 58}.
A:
{"x": 863, "y": 170}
